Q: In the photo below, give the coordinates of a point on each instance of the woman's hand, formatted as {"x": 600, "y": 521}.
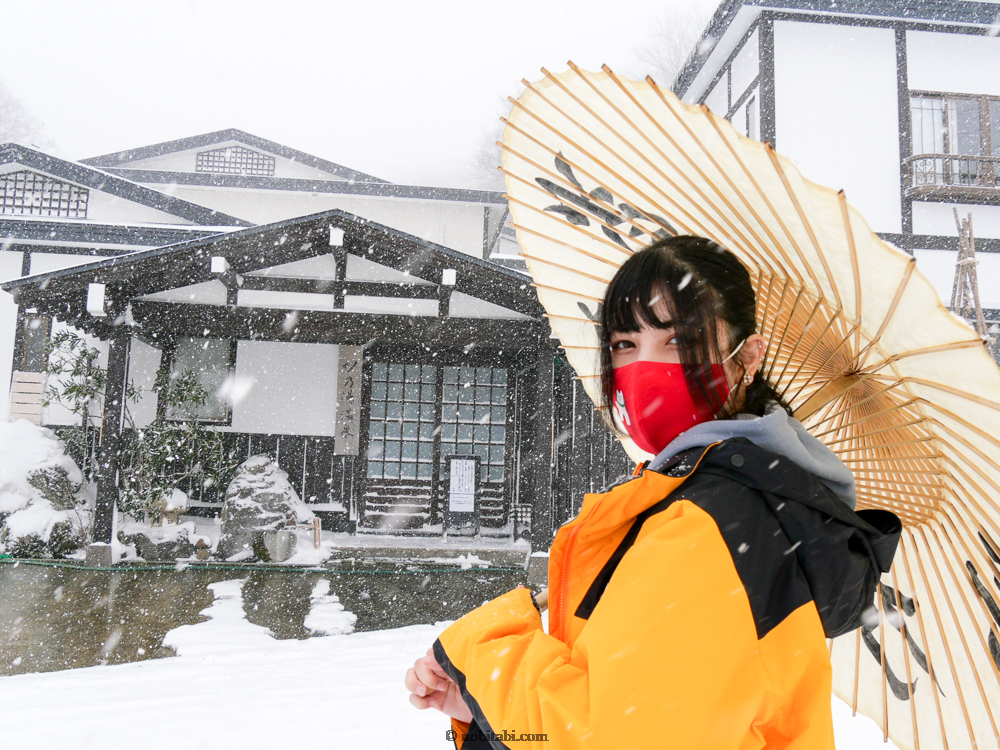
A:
{"x": 430, "y": 687}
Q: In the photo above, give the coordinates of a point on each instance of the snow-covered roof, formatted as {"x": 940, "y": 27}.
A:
{"x": 122, "y": 159}
{"x": 734, "y": 17}
{"x": 99, "y": 180}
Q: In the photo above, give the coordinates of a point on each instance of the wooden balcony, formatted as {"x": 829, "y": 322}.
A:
{"x": 953, "y": 176}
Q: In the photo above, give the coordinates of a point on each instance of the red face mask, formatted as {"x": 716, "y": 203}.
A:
{"x": 653, "y": 402}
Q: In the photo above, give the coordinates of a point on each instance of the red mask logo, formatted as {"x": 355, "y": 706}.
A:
{"x": 653, "y": 402}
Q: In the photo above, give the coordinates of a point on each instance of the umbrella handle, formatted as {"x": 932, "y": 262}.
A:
{"x": 542, "y": 599}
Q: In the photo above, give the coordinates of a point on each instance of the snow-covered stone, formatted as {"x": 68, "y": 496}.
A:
{"x": 41, "y": 490}
{"x": 259, "y": 499}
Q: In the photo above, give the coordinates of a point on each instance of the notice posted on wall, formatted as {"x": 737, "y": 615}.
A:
{"x": 462, "y": 489}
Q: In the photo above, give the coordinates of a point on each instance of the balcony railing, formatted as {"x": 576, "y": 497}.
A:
{"x": 952, "y": 174}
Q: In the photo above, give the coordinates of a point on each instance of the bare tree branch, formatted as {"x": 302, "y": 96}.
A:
{"x": 17, "y": 124}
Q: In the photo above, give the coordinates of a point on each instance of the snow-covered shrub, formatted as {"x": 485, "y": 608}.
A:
{"x": 259, "y": 499}
{"x": 169, "y": 453}
{"x": 43, "y": 500}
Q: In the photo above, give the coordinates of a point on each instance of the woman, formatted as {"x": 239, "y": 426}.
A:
{"x": 690, "y": 605}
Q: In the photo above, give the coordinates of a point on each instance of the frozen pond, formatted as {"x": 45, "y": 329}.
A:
{"x": 57, "y": 618}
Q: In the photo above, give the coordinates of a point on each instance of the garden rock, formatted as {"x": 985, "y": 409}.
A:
{"x": 259, "y": 499}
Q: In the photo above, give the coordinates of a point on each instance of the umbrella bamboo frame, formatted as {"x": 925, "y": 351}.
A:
{"x": 859, "y": 345}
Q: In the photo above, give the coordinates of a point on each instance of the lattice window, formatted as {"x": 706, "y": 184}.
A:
{"x": 403, "y": 421}
{"x": 27, "y": 193}
{"x": 235, "y": 160}
{"x": 474, "y": 417}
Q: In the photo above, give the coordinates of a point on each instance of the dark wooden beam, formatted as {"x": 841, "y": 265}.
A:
{"x": 542, "y": 456}
{"x": 171, "y": 319}
{"x": 111, "y": 427}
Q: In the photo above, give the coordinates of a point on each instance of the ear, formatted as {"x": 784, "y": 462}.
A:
{"x": 753, "y": 352}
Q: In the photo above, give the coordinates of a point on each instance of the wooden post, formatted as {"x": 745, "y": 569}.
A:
{"x": 541, "y": 500}
{"x": 111, "y": 427}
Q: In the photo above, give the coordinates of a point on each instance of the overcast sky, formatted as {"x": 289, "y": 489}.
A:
{"x": 403, "y": 90}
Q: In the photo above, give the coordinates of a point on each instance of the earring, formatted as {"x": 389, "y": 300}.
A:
{"x": 747, "y": 378}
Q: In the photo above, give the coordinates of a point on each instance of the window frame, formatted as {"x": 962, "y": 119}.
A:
{"x": 986, "y": 127}
{"x": 225, "y": 421}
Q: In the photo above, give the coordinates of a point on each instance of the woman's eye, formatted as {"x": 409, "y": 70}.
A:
{"x": 618, "y": 346}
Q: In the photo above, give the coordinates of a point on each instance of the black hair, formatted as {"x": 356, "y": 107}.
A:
{"x": 701, "y": 284}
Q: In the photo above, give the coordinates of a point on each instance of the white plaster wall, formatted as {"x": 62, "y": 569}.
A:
{"x": 143, "y": 362}
{"x": 45, "y": 262}
{"x": 391, "y": 305}
{"x": 454, "y": 224}
{"x": 111, "y": 209}
{"x": 207, "y": 293}
{"x": 10, "y": 268}
{"x": 284, "y": 300}
{"x": 187, "y": 161}
{"x": 955, "y": 63}
{"x": 466, "y": 306}
{"x": 939, "y": 267}
{"x": 836, "y": 112}
{"x": 718, "y": 99}
{"x": 319, "y": 267}
{"x": 55, "y": 413}
{"x": 362, "y": 269}
{"x": 939, "y": 219}
{"x": 746, "y": 66}
{"x": 293, "y": 388}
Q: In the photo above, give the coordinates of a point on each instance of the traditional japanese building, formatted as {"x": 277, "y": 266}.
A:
{"x": 374, "y": 329}
{"x": 897, "y": 103}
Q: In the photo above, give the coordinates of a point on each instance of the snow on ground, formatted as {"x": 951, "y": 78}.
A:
{"x": 234, "y": 686}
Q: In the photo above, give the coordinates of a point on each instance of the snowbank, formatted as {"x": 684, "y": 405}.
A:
{"x": 236, "y": 687}
{"x": 25, "y": 511}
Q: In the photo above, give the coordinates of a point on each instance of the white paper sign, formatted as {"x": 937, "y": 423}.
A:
{"x": 462, "y": 488}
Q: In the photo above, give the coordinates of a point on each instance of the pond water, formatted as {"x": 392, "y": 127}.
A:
{"x": 58, "y": 618}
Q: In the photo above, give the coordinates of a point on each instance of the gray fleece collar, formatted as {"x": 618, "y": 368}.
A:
{"x": 777, "y": 432}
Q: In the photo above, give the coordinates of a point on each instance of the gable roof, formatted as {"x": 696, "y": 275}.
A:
{"x": 123, "y": 158}
{"x": 63, "y": 293}
{"x": 960, "y": 12}
{"x": 96, "y": 179}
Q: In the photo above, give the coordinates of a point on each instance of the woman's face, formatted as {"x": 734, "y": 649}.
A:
{"x": 656, "y": 344}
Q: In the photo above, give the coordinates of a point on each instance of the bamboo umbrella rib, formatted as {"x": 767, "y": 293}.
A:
{"x": 789, "y": 265}
{"x": 906, "y": 656}
{"x": 593, "y": 158}
{"x": 985, "y": 519}
{"x": 927, "y": 641}
{"x": 570, "y": 186}
{"x": 978, "y": 470}
{"x": 958, "y": 511}
{"x": 805, "y": 223}
{"x": 881, "y": 659}
{"x": 560, "y": 266}
{"x": 907, "y": 273}
{"x": 589, "y": 235}
{"x": 890, "y": 428}
{"x": 847, "y": 367}
{"x": 590, "y": 255}
{"x": 570, "y": 317}
{"x": 947, "y": 648}
{"x": 953, "y": 391}
{"x": 769, "y": 334}
{"x": 861, "y": 401}
{"x": 955, "y": 346}
{"x": 883, "y": 412}
{"x": 985, "y": 562}
{"x": 579, "y": 295}
{"x": 816, "y": 307}
{"x": 969, "y": 584}
{"x": 932, "y": 472}
{"x": 784, "y": 332}
{"x": 909, "y": 494}
{"x": 580, "y": 348}
{"x": 746, "y": 243}
{"x": 857, "y": 672}
{"x": 889, "y": 445}
{"x": 761, "y": 245}
{"x": 856, "y": 270}
{"x": 889, "y": 478}
{"x": 961, "y": 630}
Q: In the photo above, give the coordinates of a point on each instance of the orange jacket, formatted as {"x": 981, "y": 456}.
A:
{"x": 682, "y": 615}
